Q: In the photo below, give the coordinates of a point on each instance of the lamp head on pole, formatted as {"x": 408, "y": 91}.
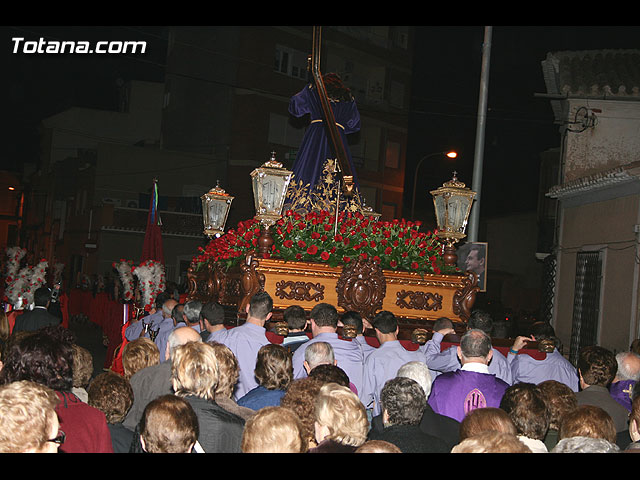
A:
{"x": 270, "y": 183}
{"x": 452, "y": 202}
{"x": 215, "y": 210}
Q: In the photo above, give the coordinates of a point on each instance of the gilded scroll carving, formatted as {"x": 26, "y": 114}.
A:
{"x": 307, "y": 291}
{"x": 418, "y": 300}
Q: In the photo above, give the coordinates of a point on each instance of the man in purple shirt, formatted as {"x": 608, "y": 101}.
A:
{"x": 447, "y": 360}
{"x": 246, "y": 340}
{"x": 554, "y": 366}
{"x": 348, "y": 354}
{"x": 383, "y": 363}
{"x": 165, "y": 327}
{"x": 353, "y": 320}
{"x": 134, "y": 330}
{"x": 212, "y": 327}
{"x": 454, "y": 394}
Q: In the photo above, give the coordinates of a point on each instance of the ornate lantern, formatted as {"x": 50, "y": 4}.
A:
{"x": 215, "y": 210}
{"x": 452, "y": 202}
{"x": 270, "y": 183}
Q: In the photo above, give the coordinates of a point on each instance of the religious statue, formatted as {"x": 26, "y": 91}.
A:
{"x": 314, "y": 185}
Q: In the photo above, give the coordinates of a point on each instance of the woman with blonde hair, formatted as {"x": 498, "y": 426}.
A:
{"x": 274, "y": 430}
{"x": 194, "y": 376}
{"x": 341, "y": 424}
{"x": 29, "y": 423}
{"x": 138, "y": 354}
{"x": 228, "y": 374}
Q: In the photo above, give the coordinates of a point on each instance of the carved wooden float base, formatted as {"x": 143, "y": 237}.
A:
{"x": 361, "y": 286}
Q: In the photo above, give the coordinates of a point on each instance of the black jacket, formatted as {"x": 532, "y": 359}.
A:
{"x": 35, "y": 319}
{"x": 220, "y": 430}
{"x": 432, "y": 423}
{"x": 410, "y": 439}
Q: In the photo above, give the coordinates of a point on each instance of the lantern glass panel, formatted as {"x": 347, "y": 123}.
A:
{"x": 269, "y": 191}
{"x": 441, "y": 213}
{"x": 216, "y": 212}
{"x": 458, "y": 206}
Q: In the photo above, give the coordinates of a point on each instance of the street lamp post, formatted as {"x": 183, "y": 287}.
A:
{"x": 450, "y": 154}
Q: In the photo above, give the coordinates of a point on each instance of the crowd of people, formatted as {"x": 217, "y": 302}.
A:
{"x": 193, "y": 385}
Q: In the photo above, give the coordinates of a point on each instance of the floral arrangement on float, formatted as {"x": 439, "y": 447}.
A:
{"x": 395, "y": 245}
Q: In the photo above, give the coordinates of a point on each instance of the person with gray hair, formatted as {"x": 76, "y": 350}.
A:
{"x": 318, "y": 353}
{"x": 472, "y": 386}
{"x": 627, "y": 376}
{"x": 403, "y": 403}
{"x": 191, "y": 313}
{"x": 419, "y": 372}
{"x": 432, "y": 423}
{"x": 323, "y": 321}
{"x": 164, "y": 327}
{"x": 155, "y": 380}
{"x": 585, "y": 445}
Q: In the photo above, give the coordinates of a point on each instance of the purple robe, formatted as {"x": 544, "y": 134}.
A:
{"x": 621, "y": 392}
{"x": 454, "y": 394}
{"x": 440, "y": 361}
{"x": 316, "y": 146}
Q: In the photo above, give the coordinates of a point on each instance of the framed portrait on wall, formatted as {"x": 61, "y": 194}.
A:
{"x": 472, "y": 256}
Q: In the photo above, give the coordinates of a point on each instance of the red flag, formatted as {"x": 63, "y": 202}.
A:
{"x": 152, "y": 248}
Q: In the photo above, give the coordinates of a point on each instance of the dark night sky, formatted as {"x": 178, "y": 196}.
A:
{"x": 444, "y": 96}
{"x": 39, "y": 85}
{"x": 445, "y": 93}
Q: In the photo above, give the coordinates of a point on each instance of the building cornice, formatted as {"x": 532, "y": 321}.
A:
{"x": 596, "y": 181}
